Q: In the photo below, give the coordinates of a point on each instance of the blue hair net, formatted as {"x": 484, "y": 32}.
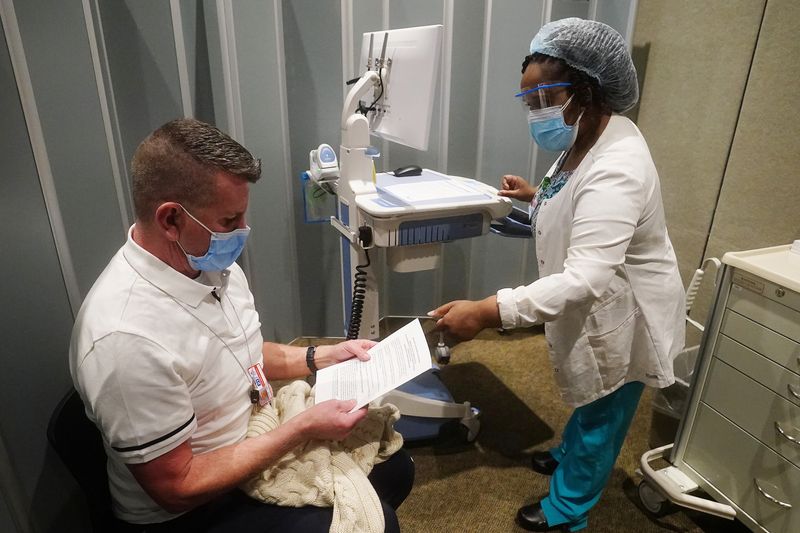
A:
{"x": 596, "y": 49}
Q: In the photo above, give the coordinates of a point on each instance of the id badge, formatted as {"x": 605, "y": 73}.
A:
{"x": 261, "y": 392}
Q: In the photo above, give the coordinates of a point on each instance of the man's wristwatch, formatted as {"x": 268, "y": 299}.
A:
{"x": 310, "y": 359}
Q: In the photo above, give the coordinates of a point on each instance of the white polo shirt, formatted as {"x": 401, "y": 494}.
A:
{"x": 159, "y": 360}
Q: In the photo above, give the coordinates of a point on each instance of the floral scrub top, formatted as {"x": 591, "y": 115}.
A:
{"x": 547, "y": 189}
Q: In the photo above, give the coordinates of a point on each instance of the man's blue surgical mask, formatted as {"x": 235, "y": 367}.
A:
{"x": 223, "y": 250}
{"x": 550, "y": 131}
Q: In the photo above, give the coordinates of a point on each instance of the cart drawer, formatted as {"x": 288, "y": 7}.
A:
{"x": 766, "y": 288}
{"x": 765, "y": 311}
{"x": 780, "y": 349}
{"x": 733, "y": 462}
{"x": 754, "y": 408}
{"x": 761, "y": 369}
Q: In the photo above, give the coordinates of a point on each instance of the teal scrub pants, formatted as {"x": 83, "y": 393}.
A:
{"x": 589, "y": 448}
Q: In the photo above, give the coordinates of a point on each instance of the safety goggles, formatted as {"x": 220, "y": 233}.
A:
{"x": 542, "y": 96}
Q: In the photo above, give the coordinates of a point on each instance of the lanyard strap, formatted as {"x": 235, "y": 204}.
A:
{"x": 244, "y": 333}
{"x": 216, "y": 297}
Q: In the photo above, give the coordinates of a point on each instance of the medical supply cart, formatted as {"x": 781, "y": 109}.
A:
{"x": 739, "y": 440}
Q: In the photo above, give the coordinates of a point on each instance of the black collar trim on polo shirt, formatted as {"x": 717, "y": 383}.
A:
{"x": 155, "y": 441}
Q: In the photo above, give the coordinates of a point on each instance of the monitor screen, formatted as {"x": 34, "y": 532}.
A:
{"x": 401, "y": 111}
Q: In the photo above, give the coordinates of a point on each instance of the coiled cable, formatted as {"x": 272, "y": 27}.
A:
{"x": 359, "y": 294}
{"x": 366, "y": 110}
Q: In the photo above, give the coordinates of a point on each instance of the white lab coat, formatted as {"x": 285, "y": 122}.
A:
{"x": 609, "y": 291}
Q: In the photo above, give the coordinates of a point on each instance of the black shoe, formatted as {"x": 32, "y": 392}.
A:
{"x": 531, "y": 517}
{"x": 544, "y": 463}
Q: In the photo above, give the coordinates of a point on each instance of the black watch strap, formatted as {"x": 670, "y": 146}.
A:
{"x": 310, "y": 359}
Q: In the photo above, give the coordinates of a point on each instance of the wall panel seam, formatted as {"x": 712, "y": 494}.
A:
{"x": 630, "y": 25}
{"x": 487, "y": 34}
{"x": 287, "y": 165}
{"x": 733, "y": 137}
{"x": 42, "y": 161}
{"x": 116, "y": 135}
{"x": 233, "y": 99}
{"x": 444, "y": 126}
{"x": 230, "y": 67}
{"x": 180, "y": 56}
{"x": 346, "y": 25}
{"x": 102, "y": 97}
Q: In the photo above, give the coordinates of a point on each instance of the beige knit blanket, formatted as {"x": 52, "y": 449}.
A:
{"x": 326, "y": 473}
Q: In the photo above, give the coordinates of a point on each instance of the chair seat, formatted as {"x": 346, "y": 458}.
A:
{"x": 79, "y": 445}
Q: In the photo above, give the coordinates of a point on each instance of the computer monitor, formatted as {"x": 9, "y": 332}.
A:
{"x": 400, "y": 110}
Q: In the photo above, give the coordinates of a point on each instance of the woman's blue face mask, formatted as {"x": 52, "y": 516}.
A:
{"x": 549, "y": 130}
{"x": 223, "y": 249}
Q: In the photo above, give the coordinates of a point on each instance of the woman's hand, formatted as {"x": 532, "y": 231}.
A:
{"x": 517, "y": 188}
{"x": 461, "y": 320}
{"x": 330, "y": 355}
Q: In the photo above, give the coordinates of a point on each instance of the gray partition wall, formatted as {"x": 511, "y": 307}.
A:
{"x": 759, "y": 202}
{"x": 696, "y": 72}
{"x": 40, "y": 300}
{"x": 315, "y": 91}
{"x": 58, "y": 54}
{"x": 714, "y": 110}
{"x": 273, "y": 262}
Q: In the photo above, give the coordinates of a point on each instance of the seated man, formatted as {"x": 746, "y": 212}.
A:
{"x": 167, "y": 350}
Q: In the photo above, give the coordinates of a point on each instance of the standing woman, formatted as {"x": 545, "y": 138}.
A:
{"x": 609, "y": 292}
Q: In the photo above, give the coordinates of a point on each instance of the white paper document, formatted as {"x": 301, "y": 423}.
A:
{"x": 400, "y": 357}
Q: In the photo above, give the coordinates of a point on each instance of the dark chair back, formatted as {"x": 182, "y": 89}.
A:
{"x": 78, "y": 443}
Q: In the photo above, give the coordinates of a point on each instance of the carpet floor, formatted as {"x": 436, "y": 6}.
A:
{"x": 478, "y": 486}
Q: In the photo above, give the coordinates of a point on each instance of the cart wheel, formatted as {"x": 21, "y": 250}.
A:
{"x": 652, "y": 500}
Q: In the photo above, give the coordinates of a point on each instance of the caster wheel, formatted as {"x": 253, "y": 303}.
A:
{"x": 652, "y": 500}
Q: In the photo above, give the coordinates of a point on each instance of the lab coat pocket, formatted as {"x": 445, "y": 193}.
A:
{"x": 610, "y": 330}
{"x": 607, "y": 314}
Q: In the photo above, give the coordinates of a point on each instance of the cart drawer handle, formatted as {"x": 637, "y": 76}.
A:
{"x": 771, "y": 498}
{"x": 792, "y": 391}
{"x": 786, "y": 435}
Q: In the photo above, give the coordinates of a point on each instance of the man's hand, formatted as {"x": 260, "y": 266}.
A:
{"x": 330, "y": 420}
{"x": 330, "y": 355}
{"x": 461, "y": 320}
{"x": 517, "y": 188}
